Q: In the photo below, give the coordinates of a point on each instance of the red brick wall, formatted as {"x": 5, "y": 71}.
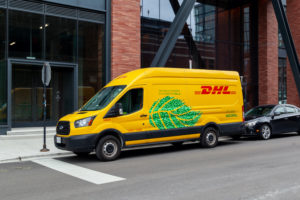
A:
{"x": 267, "y": 53}
{"x": 293, "y": 7}
{"x": 125, "y": 42}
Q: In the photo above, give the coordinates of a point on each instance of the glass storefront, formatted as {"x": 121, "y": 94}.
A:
{"x": 3, "y": 71}
{"x": 61, "y": 41}
{"x": 70, "y": 38}
{"x": 25, "y": 35}
{"x": 212, "y": 38}
{"x": 27, "y": 95}
{"x": 90, "y": 60}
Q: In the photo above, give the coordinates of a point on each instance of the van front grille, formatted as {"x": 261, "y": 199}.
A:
{"x": 63, "y": 128}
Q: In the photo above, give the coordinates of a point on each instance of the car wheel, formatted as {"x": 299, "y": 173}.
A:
{"x": 265, "y": 132}
{"x": 81, "y": 154}
{"x": 108, "y": 148}
{"x": 209, "y": 138}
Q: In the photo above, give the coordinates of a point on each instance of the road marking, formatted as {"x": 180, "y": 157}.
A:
{"x": 78, "y": 172}
{"x": 273, "y": 194}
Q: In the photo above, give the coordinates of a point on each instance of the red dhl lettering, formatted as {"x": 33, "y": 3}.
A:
{"x": 206, "y": 89}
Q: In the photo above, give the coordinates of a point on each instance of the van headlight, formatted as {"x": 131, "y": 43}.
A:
{"x": 251, "y": 124}
{"x": 84, "y": 122}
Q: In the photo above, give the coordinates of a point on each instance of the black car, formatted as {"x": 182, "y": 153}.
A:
{"x": 264, "y": 121}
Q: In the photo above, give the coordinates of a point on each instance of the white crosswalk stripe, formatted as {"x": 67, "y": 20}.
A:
{"x": 78, "y": 172}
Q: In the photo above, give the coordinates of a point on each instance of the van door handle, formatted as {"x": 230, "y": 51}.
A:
{"x": 143, "y": 115}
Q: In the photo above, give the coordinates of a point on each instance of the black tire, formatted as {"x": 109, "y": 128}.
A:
{"x": 177, "y": 144}
{"x": 210, "y": 137}
{"x": 81, "y": 154}
{"x": 108, "y": 148}
{"x": 265, "y": 132}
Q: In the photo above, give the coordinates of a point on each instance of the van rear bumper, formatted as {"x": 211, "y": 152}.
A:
{"x": 79, "y": 143}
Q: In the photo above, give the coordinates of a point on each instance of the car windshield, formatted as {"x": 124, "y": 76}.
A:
{"x": 259, "y": 111}
{"x": 102, "y": 98}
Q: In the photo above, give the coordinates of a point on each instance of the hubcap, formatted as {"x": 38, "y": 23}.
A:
{"x": 110, "y": 148}
{"x": 266, "y": 132}
{"x": 211, "y": 138}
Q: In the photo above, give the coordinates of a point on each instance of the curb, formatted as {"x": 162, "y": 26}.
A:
{"x": 27, "y": 158}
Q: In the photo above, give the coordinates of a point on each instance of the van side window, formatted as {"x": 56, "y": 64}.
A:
{"x": 132, "y": 101}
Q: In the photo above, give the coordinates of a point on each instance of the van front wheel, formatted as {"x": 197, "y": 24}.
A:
{"x": 209, "y": 138}
{"x": 108, "y": 148}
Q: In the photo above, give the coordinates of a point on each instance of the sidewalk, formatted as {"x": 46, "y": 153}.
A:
{"x": 20, "y": 147}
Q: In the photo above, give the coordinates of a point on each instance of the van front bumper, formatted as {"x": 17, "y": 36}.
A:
{"x": 78, "y": 143}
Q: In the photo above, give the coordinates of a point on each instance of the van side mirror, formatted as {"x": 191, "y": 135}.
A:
{"x": 115, "y": 111}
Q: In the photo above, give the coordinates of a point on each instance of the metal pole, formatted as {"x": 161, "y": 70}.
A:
{"x": 44, "y": 149}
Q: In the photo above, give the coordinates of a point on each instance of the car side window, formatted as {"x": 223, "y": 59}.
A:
{"x": 279, "y": 110}
{"x": 132, "y": 101}
{"x": 290, "y": 109}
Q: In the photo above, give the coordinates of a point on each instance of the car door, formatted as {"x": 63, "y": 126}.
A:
{"x": 279, "y": 121}
{"x": 133, "y": 117}
{"x": 293, "y": 118}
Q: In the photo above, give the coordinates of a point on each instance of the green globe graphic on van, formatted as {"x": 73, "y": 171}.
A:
{"x": 169, "y": 112}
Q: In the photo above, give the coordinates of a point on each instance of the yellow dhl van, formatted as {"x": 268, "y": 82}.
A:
{"x": 152, "y": 106}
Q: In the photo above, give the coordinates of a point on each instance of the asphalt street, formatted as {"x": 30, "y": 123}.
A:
{"x": 246, "y": 169}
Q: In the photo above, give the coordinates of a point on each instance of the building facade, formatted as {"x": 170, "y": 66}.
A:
{"x": 89, "y": 42}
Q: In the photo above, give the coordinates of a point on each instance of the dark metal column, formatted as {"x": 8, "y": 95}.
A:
{"x": 288, "y": 40}
{"x": 198, "y": 62}
{"x": 170, "y": 39}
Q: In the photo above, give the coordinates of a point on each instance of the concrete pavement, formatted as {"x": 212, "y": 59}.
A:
{"x": 25, "y": 146}
{"x": 246, "y": 169}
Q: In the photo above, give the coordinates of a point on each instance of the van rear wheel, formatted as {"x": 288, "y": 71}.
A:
{"x": 210, "y": 137}
{"x": 108, "y": 148}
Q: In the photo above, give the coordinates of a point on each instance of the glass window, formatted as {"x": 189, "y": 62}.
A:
{"x": 60, "y": 39}
{"x": 3, "y": 72}
{"x": 282, "y": 82}
{"x": 25, "y": 35}
{"x": 280, "y": 110}
{"x": 259, "y": 111}
{"x": 90, "y": 59}
{"x": 132, "y": 101}
{"x": 102, "y": 98}
{"x": 290, "y": 109}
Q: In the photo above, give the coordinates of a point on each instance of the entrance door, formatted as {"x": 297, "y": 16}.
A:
{"x": 27, "y": 95}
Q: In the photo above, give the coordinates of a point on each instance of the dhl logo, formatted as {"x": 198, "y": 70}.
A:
{"x": 214, "y": 90}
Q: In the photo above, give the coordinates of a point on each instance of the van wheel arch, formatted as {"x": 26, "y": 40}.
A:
{"x": 112, "y": 132}
{"x": 213, "y": 125}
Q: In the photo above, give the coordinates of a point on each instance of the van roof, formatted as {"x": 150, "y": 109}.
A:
{"x": 163, "y": 72}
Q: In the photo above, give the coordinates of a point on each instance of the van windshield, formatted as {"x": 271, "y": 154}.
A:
{"x": 102, "y": 98}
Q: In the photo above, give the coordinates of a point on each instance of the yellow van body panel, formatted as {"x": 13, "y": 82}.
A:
{"x": 173, "y": 99}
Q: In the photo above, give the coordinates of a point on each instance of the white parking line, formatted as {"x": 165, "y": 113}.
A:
{"x": 78, "y": 172}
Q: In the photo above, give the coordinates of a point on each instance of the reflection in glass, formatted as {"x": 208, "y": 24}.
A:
{"x": 213, "y": 37}
{"x": 27, "y": 95}
{"x": 90, "y": 60}
{"x": 60, "y": 39}
{"x": 25, "y": 35}
{"x": 3, "y": 72}
{"x": 282, "y": 89}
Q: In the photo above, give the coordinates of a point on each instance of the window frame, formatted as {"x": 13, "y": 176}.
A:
{"x": 130, "y": 100}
